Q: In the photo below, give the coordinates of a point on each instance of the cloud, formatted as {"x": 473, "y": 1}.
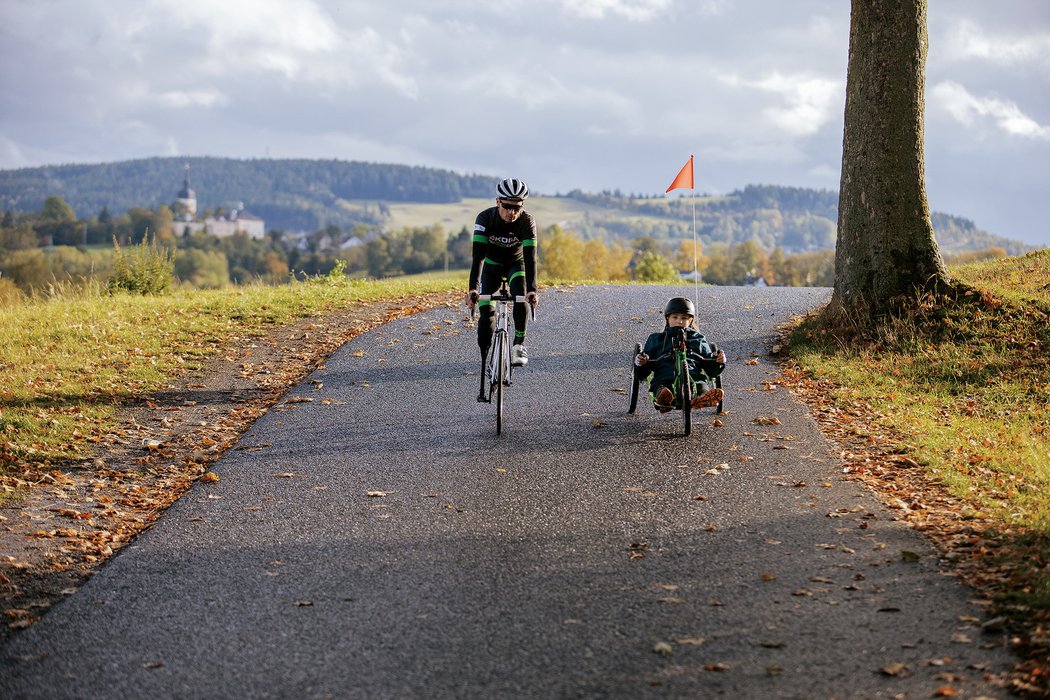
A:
{"x": 966, "y": 40}
{"x": 970, "y": 111}
{"x": 634, "y": 10}
{"x": 297, "y": 40}
{"x": 297, "y": 26}
{"x": 193, "y": 98}
{"x": 807, "y": 102}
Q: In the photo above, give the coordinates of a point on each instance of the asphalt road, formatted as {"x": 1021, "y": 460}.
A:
{"x": 586, "y": 553}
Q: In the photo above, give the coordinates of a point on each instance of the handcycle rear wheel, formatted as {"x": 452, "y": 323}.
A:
{"x": 635, "y": 382}
{"x": 718, "y": 384}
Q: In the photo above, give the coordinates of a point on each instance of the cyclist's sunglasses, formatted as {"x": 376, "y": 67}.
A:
{"x": 510, "y": 207}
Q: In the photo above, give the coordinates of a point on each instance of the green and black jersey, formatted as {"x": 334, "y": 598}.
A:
{"x": 509, "y": 246}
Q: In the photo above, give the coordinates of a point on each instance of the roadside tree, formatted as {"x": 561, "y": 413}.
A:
{"x": 886, "y": 248}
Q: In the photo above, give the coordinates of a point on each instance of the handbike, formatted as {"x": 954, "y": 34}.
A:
{"x": 497, "y": 370}
{"x": 684, "y": 387}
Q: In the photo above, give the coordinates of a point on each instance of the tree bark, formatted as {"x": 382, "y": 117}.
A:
{"x": 886, "y": 248}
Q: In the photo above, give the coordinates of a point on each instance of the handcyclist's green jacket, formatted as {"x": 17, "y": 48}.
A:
{"x": 510, "y": 246}
{"x": 700, "y": 357}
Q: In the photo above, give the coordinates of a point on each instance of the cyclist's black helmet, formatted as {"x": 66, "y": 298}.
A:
{"x": 679, "y": 305}
{"x": 512, "y": 188}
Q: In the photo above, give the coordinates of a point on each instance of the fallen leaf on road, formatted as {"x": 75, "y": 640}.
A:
{"x": 378, "y": 494}
{"x": 693, "y": 641}
{"x": 209, "y": 477}
{"x": 286, "y": 475}
{"x": 302, "y": 603}
{"x": 766, "y": 420}
{"x": 663, "y": 648}
{"x": 897, "y": 670}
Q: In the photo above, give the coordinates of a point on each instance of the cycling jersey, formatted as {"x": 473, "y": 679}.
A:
{"x": 506, "y": 246}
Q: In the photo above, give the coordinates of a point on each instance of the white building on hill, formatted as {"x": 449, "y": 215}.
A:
{"x": 187, "y": 222}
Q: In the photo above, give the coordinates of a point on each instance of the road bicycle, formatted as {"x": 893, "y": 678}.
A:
{"x": 683, "y": 387}
{"x": 497, "y": 370}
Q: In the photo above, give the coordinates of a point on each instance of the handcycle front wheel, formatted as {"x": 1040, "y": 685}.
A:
{"x": 684, "y": 394}
{"x": 635, "y": 382}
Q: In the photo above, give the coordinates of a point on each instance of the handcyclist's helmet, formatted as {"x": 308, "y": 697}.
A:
{"x": 512, "y": 188}
{"x": 679, "y": 305}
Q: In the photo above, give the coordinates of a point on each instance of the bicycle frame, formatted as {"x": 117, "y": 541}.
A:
{"x": 496, "y": 372}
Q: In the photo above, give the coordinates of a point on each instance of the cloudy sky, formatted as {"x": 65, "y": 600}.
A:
{"x": 589, "y": 94}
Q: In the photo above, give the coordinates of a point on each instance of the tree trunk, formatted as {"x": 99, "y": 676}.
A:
{"x": 885, "y": 249}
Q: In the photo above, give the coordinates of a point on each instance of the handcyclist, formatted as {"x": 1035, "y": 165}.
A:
{"x": 656, "y": 359}
{"x": 504, "y": 247}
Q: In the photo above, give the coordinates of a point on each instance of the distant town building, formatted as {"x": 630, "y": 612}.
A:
{"x": 187, "y": 222}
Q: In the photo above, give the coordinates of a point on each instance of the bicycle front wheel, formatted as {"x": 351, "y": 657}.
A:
{"x": 502, "y": 366}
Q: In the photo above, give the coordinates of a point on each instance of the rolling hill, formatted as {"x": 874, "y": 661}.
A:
{"x": 308, "y": 195}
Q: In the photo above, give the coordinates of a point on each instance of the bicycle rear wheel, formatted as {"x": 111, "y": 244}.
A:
{"x": 634, "y": 379}
{"x": 500, "y": 376}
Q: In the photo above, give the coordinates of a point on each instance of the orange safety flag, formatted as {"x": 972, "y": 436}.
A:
{"x": 684, "y": 178}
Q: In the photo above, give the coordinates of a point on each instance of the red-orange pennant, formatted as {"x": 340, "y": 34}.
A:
{"x": 684, "y": 178}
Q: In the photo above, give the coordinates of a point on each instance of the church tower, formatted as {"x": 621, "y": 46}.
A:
{"x": 187, "y": 198}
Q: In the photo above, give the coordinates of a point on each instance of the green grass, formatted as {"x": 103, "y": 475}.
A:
{"x": 962, "y": 385}
{"x": 547, "y": 210}
{"x": 69, "y": 363}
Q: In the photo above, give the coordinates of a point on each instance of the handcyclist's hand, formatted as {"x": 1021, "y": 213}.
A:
{"x": 533, "y": 298}
{"x": 472, "y": 299}
{"x": 640, "y": 359}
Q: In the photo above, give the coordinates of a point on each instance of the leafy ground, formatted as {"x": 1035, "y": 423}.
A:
{"x": 945, "y": 413}
{"x": 112, "y": 406}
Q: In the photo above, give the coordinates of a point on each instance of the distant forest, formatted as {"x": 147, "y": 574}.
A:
{"x": 66, "y": 226}
{"x": 291, "y": 195}
{"x": 311, "y": 195}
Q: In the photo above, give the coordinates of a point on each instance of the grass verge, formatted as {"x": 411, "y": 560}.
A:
{"x": 946, "y": 412}
{"x": 68, "y": 364}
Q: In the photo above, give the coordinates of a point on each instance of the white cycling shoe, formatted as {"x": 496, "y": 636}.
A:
{"x": 519, "y": 357}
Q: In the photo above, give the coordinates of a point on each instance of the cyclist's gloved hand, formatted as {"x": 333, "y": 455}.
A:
{"x": 472, "y": 298}
{"x": 720, "y": 358}
{"x": 533, "y": 298}
{"x": 640, "y": 359}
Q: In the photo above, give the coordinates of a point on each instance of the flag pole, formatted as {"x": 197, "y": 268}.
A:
{"x": 684, "y": 179}
{"x": 696, "y": 264}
